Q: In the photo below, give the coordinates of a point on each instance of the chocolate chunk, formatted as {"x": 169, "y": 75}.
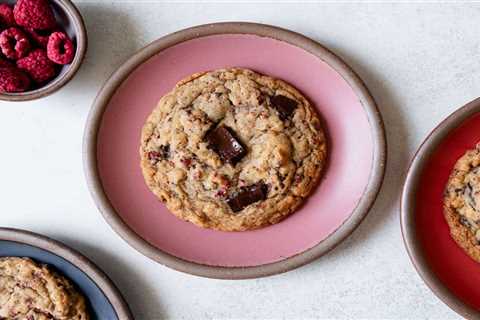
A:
{"x": 223, "y": 141}
{"x": 285, "y": 106}
{"x": 465, "y": 222}
{"x": 260, "y": 99}
{"x": 247, "y": 195}
{"x": 470, "y": 197}
{"x": 165, "y": 151}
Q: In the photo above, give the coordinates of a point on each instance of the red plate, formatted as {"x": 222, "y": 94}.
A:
{"x": 448, "y": 271}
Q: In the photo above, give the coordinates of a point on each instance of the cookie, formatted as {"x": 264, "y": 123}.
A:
{"x": 232, "y": 150}
{"x": 33, "y": 291}
{"x": 462, "y": 203}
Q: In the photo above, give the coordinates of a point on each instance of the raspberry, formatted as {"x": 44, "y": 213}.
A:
{"x": 35, "y": 14}
{"x": 5, "y": 63}
{"x": 40, "y": 37}
{"x": 60, "y": 48}
{"x": 38, "y": 66}
{"x": 187, "y": 162}
{"x": 6, "y": 16}
{"x": 12, "y": 79}
{"x": 14, "y": 43}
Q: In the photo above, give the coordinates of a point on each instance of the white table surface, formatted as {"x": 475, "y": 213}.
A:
{"x": 420, "y": 61}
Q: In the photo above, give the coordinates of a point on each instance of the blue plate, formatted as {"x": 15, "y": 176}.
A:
{"x": 106, "y": 304}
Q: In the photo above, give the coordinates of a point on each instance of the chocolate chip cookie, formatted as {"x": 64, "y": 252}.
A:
{"x": 232, "y": 149}
{"x": 462, "y": 203}
{"x": 32, "y": 291}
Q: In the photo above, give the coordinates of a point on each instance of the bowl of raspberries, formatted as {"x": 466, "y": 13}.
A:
{"x": 42, "y": 45}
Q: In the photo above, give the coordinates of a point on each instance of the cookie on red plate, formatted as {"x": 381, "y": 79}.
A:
{"x": 462, "y": 203}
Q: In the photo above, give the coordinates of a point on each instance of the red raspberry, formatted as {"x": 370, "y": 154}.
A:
{"x": 38, "y": 66}
{"x": 12, "y": 79}
{"x": 187, "y": 162}
{"x": 6, "y": 16}
{"x": 35, "y": 14}
{"x": 14, "y": 43}
{"x": 5, "y": 63}
{"x": 60, "y": 48}
{"x": 39, "y": 36}
{"x": 222, "y": 193}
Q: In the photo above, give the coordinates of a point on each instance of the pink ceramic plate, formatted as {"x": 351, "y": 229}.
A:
{"x": 348, "y": 189}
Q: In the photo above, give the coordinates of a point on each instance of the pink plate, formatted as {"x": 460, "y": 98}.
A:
{"x": 349, "y": 186}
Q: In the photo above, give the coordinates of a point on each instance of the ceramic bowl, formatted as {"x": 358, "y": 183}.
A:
{"x": 446, "y": 269}
{"x": 104, "y": 299}
{"x": 350, "y": 182}
{"x": 70, "y": 19}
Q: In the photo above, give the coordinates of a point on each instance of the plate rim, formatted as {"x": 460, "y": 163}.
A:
{"x": 220, "y": 272}
{"x": 85, "y": 265}
{"x": 407, "y": 211}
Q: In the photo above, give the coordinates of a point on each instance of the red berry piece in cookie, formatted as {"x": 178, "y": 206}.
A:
{"x": 14, "y": 43}
{"x": 162, "y": 154}
{"x": 6, "y": 16}
{"x": 223, "y": 141}
{"x": 187, "y": 162}
{"x": 247, "y": 196}
{"x": 12, "y": 79}
{"x": 222, "y": 193}
{"x": 38, "y": 66}
{"x": 154, "y": 156}
{"x": 60, "y": 48}
{"x": 36, "y": 14}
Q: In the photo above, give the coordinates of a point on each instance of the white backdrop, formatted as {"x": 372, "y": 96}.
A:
{"x": 420, "y": 61}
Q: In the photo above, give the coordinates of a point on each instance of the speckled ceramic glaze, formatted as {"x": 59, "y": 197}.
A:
{"x": 446, "y": 268}
{"x": 347, "y": 190}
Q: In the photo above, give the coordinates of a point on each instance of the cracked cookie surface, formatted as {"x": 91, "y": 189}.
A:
{"x": 232, "y": 150}
{"x": 32, "y": 291}
{"x": 462, "y": 203}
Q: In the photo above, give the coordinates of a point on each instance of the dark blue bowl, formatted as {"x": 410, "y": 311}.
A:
{"x": 104, "y": 299}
